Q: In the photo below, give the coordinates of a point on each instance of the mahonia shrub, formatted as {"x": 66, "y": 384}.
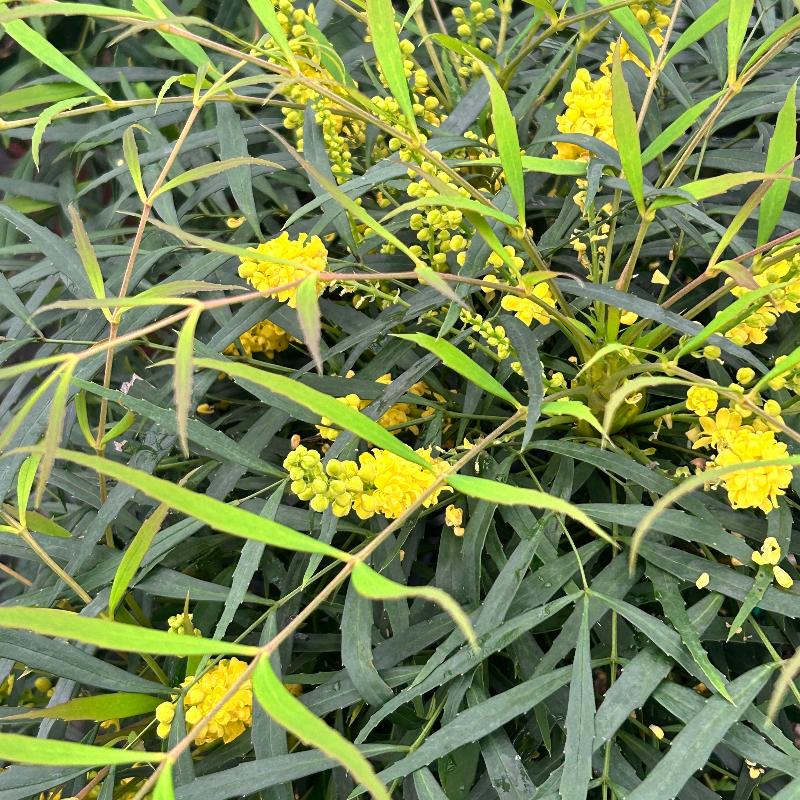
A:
{"x": 399, "y": 399}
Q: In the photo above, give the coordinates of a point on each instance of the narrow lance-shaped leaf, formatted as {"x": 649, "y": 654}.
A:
{"x": 114, "y": 635}
{"x": 164, "y": 790}
{"x": 53, "y": 752}
{"x": 461, "y": 363}
{"x": 25, "y": 478}
{"x": 692, "y": 747}
{"x": 191, "y": 51}
{"x": 375, "y": 586}
{"x": 577, "y": 772}
{"x": 32, "y": 41}
{"x": 130, "y": 153}
{"x": 626, "y": 132}
{"x": 707, "y": 21}
{"x": 309, "y": 317}
{"x": 322, "y": 404}
{"x": 738, "y": 18}
{"x": 781, "y": 151}
{"x": 55, "y": 427}
{"x": 668, "y": 594}
{"x": 209, "y": 170}
{"x": 46, "y": 117}
{"x": 505, "y": 494}
{"x": 507, "y": 141}
{"x": 265, "y": 11}
{"x": 221, "y": 516}
{"x": 380, "y": 18}
{"x": 96, "y": 708}
{"x": 88, "y": 257}
{"x": 290, "y": 713}
{"x": 184, "y": 352}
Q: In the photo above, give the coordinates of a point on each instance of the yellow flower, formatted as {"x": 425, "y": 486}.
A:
{"x": 701, "y": 400}
{"x": 717, "y": 432}
{"x": 745, "y": 376}
{"x": 755, "y": 486}
{"x": 294, "y": 260}
{"x": 588, "y": 111}
{"x": 178, "y": 624}
{"x": 202, "y": 695}
{"x": 782, "y": 577}
{"x": 265, "y": 337}
{"x": 769, "y": 556}
{"x": 454, "y": 518}
{"x": 770, "y": 553}
{"x": 527, "y": 310}
{"x": 393, "y": 484}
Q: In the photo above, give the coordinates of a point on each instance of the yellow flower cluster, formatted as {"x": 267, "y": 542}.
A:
{"x": 784, "y": 276}
{"x": 378, "y": 483}
{"x": 527, "y": 309}
{"x": 287, "y": 261}
{"x": 339, "y": 133}
{"x": 203, "y": 694}
{"x": 756, "y": 486}
{"x": 588, "y": 111}
{"x": 769, "y": 556}
{"x": 265, "y": 337}
{"x": 469, "y": 22}
{"x": 701, "y": 400}
{"x": 398, "y": 414}
{"x": 181, "y": 623}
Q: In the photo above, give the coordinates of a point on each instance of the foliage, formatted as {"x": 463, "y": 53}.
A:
{"x": 399, "y": 398}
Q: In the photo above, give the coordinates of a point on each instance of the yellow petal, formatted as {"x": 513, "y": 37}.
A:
{"x": 659, "y": 278}
{"x": 702, "y": 580}
{"x": 657, "y": 731}
{"x": 782, "y": 577}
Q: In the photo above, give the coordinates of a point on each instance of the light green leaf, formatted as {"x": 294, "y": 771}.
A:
{"x": 32, "y": 41}
{"x": 55, "y": 427}
{"x": 626, "y": 133}
{"x": 183, "y": 374}
{"x": 114, "y": 635}
{"x": 461, "y": 363}
{"x": 46, "y": 117}
{"x": 572, "y": 408}
{"x": 134, "y": 554}
{"x": 221, "y": 516}
{"x": 506, "y": 141}
{"x": 97, "y": 708}
{"x": 738, "y": 19}
{"x": 208, "y": 170}
{"x": 676, "y": 129}
{"x": 786, "y": 29}
{"x": 191, "y": 51}
{"x": 506, "y": 494}
{"x": 309, "y": 317}
{"x": 380, "y": 18}
{"x": 130, "y": 153}
{"x": 453, "y": 201}
{"x": 163, "y": 790}
{"x": 265, "y": 11}
{"x": 707, "y": 21}
{"x": 32, "y": 750}
{"x": 283, "y": 707}
{"x": 321, "y": 404}
{"x": 88, "y": 255}
{"x": 781, "y": 151}
{"x": 25, "y": 478}
{"x": 375, "y": 586}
